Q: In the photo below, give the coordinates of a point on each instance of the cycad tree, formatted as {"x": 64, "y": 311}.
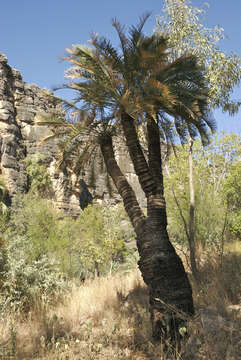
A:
{"x": 126, "y": 89}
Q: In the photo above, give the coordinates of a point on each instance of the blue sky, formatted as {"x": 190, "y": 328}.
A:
{"x": 34, "y": 34}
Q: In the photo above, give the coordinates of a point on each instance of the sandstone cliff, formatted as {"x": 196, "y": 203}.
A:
{"x": 20, "y": 137}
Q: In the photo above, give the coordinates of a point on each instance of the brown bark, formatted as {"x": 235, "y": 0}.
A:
{"x": 136, "y": 154}
{"x": 154, "y": 154}
{"x": 161, "y": 268}
{"x": 156, "y": 205}
{"x": 149, "y": 174}
{"x": 169, "y": 288}
{"x": 131, "y": 204}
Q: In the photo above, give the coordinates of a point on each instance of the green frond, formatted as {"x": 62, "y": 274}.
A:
{"x": 104, "y": 46}
{"x": 135, "y": 32}
{"x": 122, "y": 36}
{"x": 49, "y": 119}
{"x": 139, "y": 80}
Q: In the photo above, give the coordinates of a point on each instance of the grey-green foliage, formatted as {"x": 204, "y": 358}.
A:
{"x": 28, "y": 270}
{"x": 232, "y": 195}
{"x": 35, "y": 219}
{"x": 213, "y": 176}
{"x": 38, "y": 176}
{"x": 23, "y": 283}
{"x": 39, "y": 248}
{"x": 101, "y": 239}
{"x": 42, "y": 230}
{"x": 94, "y": 240}
{"x": 184, "y": 26}
{"x": 24, "y": 280}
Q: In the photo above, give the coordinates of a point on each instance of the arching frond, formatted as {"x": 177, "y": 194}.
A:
{"x": 122, "y": 36}
{"x": 135, "y": 32}
{"x": 140, "y": 81}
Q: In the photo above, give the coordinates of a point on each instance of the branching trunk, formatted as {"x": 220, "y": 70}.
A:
{"x": 131, "y": 204}
{"x": 161, "y": 268}
{"x": 170, "y": 288}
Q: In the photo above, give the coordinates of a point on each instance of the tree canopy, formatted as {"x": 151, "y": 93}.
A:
{"x": 184, "y": 26}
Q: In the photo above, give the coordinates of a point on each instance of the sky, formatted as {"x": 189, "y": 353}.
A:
{"x": 35, "y": 33}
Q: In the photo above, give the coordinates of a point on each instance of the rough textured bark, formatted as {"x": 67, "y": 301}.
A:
{"x": 161, "y": 268}
{"x": 169, "y": 288}
{"x": 136, "y": 154}
{"x": 156, "y": 205}
{"x": 125, "y": 190}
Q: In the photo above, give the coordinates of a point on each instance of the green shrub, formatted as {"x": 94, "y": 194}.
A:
{"x": 102, "y": 243}
{"x": 24, "y": 283}
{"x": 39, "y": 179}
{"x": 40, "y": 248}
{"x": 217, "y": 174}
{"x": 35, "y": 219}
{"x": 27, "y": 269}
{"x": 232, "y": 194}
{"x": 23, "y": 280}
{"x": 94, "y": 243}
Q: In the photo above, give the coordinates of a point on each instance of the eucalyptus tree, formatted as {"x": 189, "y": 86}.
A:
{"x": 121, "y": 90}
{"x": 213, "y": 167}
{"x": 184, "y": 26}
{"x": 185, "y": 29}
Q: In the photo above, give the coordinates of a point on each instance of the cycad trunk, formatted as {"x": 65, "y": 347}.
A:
{"x": 161, "y": 268}
{"x": 169, "y": 288}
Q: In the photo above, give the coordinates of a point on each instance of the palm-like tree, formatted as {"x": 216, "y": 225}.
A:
{"x": 134, "y": 87}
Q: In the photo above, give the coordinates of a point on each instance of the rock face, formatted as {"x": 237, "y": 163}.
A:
{"x": 20, "y": 137}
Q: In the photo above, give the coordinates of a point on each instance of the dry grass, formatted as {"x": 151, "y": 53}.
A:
{"x": 108, "y": 318}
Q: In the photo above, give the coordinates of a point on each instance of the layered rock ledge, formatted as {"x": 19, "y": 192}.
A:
{"x": 20, "y": 137}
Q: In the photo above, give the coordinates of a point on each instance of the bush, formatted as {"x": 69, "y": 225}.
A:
{"x": 22, "y": 280}
{"x": 39, "y": 179}
{"x": 40, "y": 248}
{"x": 232, "y": 191}
{"x": 217, "y": 174}
{"x": 27, "y": 269}
{"x": 94, "y": 243}
{"x": 102, "y": 244}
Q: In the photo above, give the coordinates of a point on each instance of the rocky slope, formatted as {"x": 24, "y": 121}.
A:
{"x": 20, "y": 137}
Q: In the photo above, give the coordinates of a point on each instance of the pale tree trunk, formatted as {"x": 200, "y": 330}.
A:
{"x": 191, "y": 237}
{"x": 190, "y": 226}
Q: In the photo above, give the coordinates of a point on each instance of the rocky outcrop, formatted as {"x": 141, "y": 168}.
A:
{"x": 20, "y": 137}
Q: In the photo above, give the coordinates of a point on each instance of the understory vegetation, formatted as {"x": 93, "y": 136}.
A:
{"x": 70, "y": 286}
{"x": 217, "y": 184}
{"x": 107, "y": 318}
{"x": 42, "y": 250}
